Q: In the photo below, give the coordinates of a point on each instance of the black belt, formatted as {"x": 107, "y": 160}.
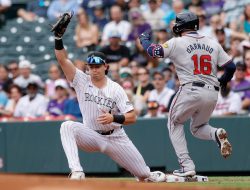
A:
{"x": 105, "y": 132}
{"x": 200, "y": 84}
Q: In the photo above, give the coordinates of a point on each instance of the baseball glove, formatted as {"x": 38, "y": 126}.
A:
{"x": 61, "y": 25}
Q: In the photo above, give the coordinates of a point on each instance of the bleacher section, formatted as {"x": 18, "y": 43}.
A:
{"x": 20, "y": 39}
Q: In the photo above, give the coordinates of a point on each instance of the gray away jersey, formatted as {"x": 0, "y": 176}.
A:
{"x": 93, "y": 101}
{"x": 196, "y": 58}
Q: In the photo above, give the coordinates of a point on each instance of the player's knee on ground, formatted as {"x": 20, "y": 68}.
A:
{"x": 65, "y": 127}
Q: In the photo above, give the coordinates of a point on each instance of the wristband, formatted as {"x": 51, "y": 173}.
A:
{"x": 119, "y": 119}
{"x": 58, "y": 44}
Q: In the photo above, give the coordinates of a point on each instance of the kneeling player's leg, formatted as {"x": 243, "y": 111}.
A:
{"x": 74, "y": 134}
{"x": 124, "y": 152}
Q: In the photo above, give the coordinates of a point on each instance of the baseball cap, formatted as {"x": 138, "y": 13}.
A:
{"x": 61, "y": 83}
{"x": 96, "y": 57}
{"x": 114, "y": 34}
{"x": 25, "y": 64}
{"x": 152, "y": 105}
{"x": 125, "y": 72}
{"x": 32, "y": 83}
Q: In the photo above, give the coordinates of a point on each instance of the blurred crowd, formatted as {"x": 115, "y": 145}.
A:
{"x": 112, "y": 27}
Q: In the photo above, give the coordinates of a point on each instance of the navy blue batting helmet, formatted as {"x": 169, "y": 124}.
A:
{"x": 185, "y": 21}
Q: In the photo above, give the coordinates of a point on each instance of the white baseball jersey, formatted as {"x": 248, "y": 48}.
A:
{"x": 196, "y": 58}
{"x": 162, "y": 98}
{"x": 231, "y": 103}
{"x": 92, "y": 100}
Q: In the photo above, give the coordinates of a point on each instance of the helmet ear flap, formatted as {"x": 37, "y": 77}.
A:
{"x": 176, "y": 30}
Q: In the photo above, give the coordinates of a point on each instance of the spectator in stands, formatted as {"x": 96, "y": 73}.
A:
{"x": 54, "y": 74}
{"x": 216, "y": 22}
{"x": 33, "y": 104}
{"x": 246, "y": 59}
{"x": 71, "y": 105}
{"x": 58, "y": 7}
{"x": 15, "y": 93}
{"x": 125, "y": 73}
{"x": 235, "y": 51}
{"x": 99, "y": 17}
{"x": 177, "y": 7}
{"x": 116, "y": 23}
{"x": 213, "y": 7}
{"x": 56, "y": 105}
{"x": 161, "y": 93}
{"x": 26, "y": 75}
{"x": 87, "y": 34}
{"x": 33, "y": 10}
{"x": 133, "y": 65}
{"x": 3, "y": 99}
{"x": 232, "y": 10}
{"x": 244, "y": 22}
{"x": 169, "y": 78}
{"x": 115, "y": 52}
{"x": 154, "y": 15}
{"x": 229, "y": 103}
{"x": 152, "y": 110}
{"x": 240, "y": 83}
{"x": 134, "y": 4}
{"x": 13, "y": 69}
{"x": 144, "y": 85}
{"x": 138, "y": 24}
{"x": 221, "y": 37}
{"x": 5, "y": 81}
{"x": 4, "y": 6}
{"x": 90, "y": 5}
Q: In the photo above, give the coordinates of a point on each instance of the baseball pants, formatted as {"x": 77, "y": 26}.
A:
{"x": 198, "y": 104}
{"x": 117, "y": 146}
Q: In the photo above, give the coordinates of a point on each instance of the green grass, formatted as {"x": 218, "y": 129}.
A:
{"x": 232, "y": 181}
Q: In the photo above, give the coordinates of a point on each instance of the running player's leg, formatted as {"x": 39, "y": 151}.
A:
{"x": 182, "y": 108}
{"x": 75, "y": 134}
{"x": 123, "y": 151}
{"x": 199, "y": 122}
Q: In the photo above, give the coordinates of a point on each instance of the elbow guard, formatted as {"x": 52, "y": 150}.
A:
{"x": 155, "y": 50}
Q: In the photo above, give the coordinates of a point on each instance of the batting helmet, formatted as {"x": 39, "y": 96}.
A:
{"x": 185, "y": 21}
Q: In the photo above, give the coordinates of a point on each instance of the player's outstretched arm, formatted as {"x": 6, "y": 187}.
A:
{"x": 153, "y": 50}
{"x": 59, "y": 28}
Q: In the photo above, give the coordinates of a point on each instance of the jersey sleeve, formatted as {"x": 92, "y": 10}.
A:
{"x": 223, "y": 57}
{"x": 122, "y": 101}
{"x": 80, "y": 76}
{"x": 168, "y": 47}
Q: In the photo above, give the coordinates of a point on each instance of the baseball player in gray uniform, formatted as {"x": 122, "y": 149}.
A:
{"x": 196, "y": 58}
{"x": 106, "y": 109}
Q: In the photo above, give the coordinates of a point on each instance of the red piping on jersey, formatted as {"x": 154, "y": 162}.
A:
{"x": 194, "y": 36}
{"x": 227, "y": 63}
{"x": 170, "y": 115}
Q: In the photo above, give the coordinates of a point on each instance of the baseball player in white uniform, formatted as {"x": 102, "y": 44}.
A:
{"x": 106, "y": 109}
{"x": 196, "y": 58}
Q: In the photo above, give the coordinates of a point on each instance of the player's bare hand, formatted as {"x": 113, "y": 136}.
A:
{"x": 105, "y": 118}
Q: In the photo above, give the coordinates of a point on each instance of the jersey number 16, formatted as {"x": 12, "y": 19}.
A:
{"x": 202, "y": 64}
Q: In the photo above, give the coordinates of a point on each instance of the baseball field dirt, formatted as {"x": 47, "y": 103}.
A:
{"x": 45, "y": 182}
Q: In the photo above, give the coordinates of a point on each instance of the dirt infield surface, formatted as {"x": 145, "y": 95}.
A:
{"x": 45, "y": 182}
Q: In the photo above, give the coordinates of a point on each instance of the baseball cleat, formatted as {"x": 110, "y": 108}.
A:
{"x": 182, "y": 173}
{"x": 156, "y": 176}
{"x": 77, "y": 176}
{"x": 223, "y": 143}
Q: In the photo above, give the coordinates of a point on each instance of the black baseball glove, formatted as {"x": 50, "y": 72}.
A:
{"x": 61, "y": 25}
